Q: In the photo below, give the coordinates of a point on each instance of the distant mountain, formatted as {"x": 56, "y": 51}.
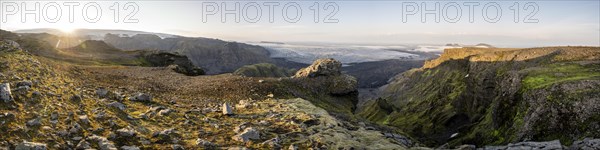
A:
{"x": 480, "y": 45}
{"x": 215, "y": 55}
{"x": 92, "y": 34}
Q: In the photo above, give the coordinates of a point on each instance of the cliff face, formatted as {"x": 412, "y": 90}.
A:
{"x": 496, "y": 96}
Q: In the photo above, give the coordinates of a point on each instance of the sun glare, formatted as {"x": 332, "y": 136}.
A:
{"x": 67, "y": 30}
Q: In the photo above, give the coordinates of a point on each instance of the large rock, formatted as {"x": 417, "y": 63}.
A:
{"x": 227, "y": 110}
{"x": 586, "y": 144}
{"x": 126, "y": 132}
{"x": 165, "y": 136}
{"x": 325, "y": 75}
{"x": 141, "y": 97}
{"x": 117, "y": 105}
{"x": 5, "y": 94}
{"x": 205, "y": 144}
{"x": 247, "y": 135}
{"x": 30, "y": 146}
{"x": 549, "y": 145}
{"x": 321, "y": 67}
{"x": 9, "y": 45}
{"x": 343, "y": 84}
{"x": 103, "y": 143}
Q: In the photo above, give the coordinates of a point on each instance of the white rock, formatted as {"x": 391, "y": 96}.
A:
{"x": 34, "y": 122}
{"x": 141, "y": 97}
{"x": 83, "y": 145}
{"x": 103, "y": 143}
{"x": 117, "y": 105}
{"x": 126, "y": 132}
{"x": 165, "y": 112}
{"x": 227, "y": 110}
{"x": 30, "y": 146}
{"x": 5, "y": 94}
{"x": 247, "y": 135}
{"x": 130, "y": 148}
{"x": 84, "y": 119}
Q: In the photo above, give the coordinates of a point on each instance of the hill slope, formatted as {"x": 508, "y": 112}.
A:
{"x": 496, "y": 96}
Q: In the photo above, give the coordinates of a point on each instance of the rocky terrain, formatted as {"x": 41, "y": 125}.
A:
{"x": 497, "y": 96}
{"x": 49, "y": 103}
{"x": 93, "y": 95}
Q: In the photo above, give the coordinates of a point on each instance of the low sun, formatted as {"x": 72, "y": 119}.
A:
{"x": 66, "y": 30}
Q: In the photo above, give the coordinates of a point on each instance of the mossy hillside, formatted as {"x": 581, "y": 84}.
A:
{"x": 490, "y": 97}
{"x": 263, "y": 70}
{"x": 545, "y": 76}
{"x": 416, "y": 116}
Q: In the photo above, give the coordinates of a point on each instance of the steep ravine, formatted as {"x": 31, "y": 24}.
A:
{"x": 495, "y": 97}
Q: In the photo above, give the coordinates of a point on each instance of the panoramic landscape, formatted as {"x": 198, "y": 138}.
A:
{"x": 196, "y": 77}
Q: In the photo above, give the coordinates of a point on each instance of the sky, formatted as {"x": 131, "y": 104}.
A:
{"x": 383, "y": 22}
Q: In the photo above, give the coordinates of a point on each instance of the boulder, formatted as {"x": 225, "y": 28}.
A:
{"x": 24, "y": 84}
{"x": 103, "y": 143}
{"x": 141, "y": 97}
{"x": 130, "y": 148}
{"x": 325, "y": 75}
{"x": 165, "y": 112}
{"x": 247, "y": 135}
{"x": 343, "y": 84}
{"x": 5, "y": 94}
{"x": 102, "y": 92}
{"x": 177, "y": 147}
{"x": 30, "y": 146}
{"x": 205, "y": 144}
{"x": 165, "y": 135}
{"x": 227, "y": 110}
{"x": 83, "y": 145}
{"x": 84, "y": 119}
{"x": 34, "y": 122}
{"x": 321, "y": 67}
{"x": 117, "y": 105}
{"x": 9, "y": 45}
{"x": 126, "y": 132}
{"x": 76, "y": 98}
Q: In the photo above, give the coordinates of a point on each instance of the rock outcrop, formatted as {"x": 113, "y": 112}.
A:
{"x": 325, "y": 84}
{"x": 321, "y": 67}
{"x": 327, "y": 73}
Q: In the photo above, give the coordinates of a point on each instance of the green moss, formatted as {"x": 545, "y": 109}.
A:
{"x": 557, "y": 73}
{"x": 263, "y": 70}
